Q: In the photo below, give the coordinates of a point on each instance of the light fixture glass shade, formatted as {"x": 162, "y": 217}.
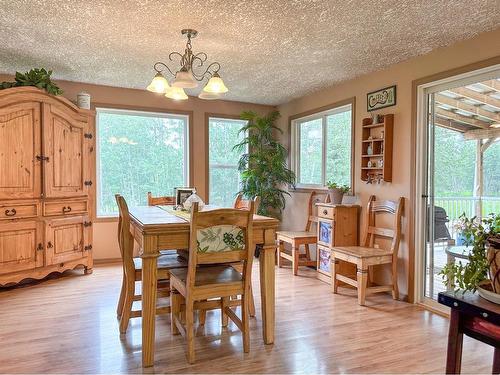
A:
{"x": 209, "y": 95}
{"x": 184, "y": 79}
{"x": 159, "y": 84}
{"x": 176, "y": 93}
{"x": 215, "y": 85}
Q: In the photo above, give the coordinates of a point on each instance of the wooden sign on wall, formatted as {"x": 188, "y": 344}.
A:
{"x": 382, "y": 98}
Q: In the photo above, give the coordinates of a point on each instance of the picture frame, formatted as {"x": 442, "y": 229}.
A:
{"x": 182, "y": 193}
{"x": 382, "y": 98}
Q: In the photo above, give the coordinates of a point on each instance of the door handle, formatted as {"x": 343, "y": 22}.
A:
{"x": 40, "y": 247}
{"x": 65, "y": 209}
{"x": 11, "y": 212}
{"x": 49, "y": 245}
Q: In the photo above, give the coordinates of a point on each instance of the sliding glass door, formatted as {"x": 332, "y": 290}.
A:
{"x": 460, "y": 167}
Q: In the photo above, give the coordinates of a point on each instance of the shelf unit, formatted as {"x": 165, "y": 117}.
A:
{"x": 381, "y": 147}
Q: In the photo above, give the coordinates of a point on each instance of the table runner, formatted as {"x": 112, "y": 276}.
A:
{"x": 186, "y": 215}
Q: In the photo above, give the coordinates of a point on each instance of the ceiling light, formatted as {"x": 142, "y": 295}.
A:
{"x": 184, "y": 79}
{"x": 215, "y": 85}
{"x": 159, "y": 84}
{"x": 191, "y": 72}
{"x": 176, "y": 93}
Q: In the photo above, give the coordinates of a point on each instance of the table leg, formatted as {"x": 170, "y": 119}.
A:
{"x": 149, "y": 277}
{"x": 455, "y": 340}
{"x": 266, "y": 263}
{"x": 496, "y": 362}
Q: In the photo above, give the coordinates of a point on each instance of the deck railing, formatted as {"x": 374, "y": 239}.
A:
{"x": 456, "y": 206}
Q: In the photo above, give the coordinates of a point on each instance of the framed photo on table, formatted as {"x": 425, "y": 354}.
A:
{"x": 182, "y": 193}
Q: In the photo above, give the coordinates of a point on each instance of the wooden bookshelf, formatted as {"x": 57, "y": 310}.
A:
{"x": 379, "y": 138}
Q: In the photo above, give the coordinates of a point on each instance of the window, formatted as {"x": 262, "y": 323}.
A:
{"x": 322, "y": 148}
{"x": 224, "y": 178}
{"x": 139, "y": 152}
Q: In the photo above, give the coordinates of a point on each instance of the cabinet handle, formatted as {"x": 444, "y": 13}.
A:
{"x": 40, "y": 247}
{"x": 65, "y": 209}
{"x": 87, "y": 248}
{"x": 49, "y": 244}
{"x": 325, "y": 212}
{"x": 11, "y": 212}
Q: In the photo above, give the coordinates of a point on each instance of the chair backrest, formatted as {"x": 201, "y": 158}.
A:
{"x": 373, "y": 231}
{"x": 165, "y": 200}
{"x": 125, "y": 237}
{"x": 315, "y": 197}
{"x": 240, "y": 203}
{"x": 221, "y": 236}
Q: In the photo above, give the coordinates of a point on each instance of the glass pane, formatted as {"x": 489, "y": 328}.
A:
{"x": 338, "y": 148}
{"x": 224, "y": 177}
{"x": 137, "y": 154}
{"x": 224, "y": 185}
{"x": 311, "y": 150}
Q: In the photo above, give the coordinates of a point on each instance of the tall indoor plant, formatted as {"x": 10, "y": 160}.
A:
{"x": 263, "y": 163}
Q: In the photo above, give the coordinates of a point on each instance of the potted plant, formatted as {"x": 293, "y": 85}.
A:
{"x": 35, "y": 77}
{"x": 263, "y": 163}
{"x": 481, "y": 272}
{"x": 336, "y": 191}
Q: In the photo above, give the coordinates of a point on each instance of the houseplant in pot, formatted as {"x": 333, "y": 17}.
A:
{"x": 482, "y": 271}
{"x": 336, "y": 192}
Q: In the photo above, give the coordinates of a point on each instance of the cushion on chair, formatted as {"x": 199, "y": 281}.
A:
{"x": 361, "y": 252}
{"x": 297, "y": 234}
{"x": 165, "y": 261}
{"x": 219, "y": 238}
{"x": 209, "y": 275}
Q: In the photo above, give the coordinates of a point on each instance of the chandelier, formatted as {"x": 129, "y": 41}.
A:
{"x": 191, "y": 72}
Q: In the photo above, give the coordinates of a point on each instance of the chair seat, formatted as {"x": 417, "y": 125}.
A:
{"x": 296, "y": 235}
{"x": 361, "y": 252}
{"x": 165, "y": 262}
{"x": 209, "y": 275}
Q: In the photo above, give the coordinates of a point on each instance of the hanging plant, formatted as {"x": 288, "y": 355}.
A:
{"x": 35, "y": 77}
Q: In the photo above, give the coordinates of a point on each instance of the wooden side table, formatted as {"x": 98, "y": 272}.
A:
{"x": 477, "y": 318}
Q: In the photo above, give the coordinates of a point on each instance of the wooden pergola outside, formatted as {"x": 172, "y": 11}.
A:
{"x": 474, "y": 111}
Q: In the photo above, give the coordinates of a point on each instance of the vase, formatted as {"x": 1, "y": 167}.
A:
{"x": 493, "y": 255}
{"x": 336, "y": 196}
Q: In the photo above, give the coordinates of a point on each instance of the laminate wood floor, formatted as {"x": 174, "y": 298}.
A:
{"x": 68, "y": 325}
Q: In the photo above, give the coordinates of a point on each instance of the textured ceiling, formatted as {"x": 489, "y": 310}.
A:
{"x": 270, "y": 51}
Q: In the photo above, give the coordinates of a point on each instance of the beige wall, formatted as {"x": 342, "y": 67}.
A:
{"x": 482, "y": 47}
{"x": 105, "y": 244}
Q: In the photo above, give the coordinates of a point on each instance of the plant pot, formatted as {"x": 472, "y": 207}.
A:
{"x": 493, "y": 255}
{"x": 485, "y": 290}
{"x": 336, "y": 196}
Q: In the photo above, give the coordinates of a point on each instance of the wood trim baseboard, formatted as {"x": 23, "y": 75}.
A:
{"x": 107, "y": 261}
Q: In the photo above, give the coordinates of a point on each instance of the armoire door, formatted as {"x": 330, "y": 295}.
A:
{"x": 21, "y": 246}
{"x": 65, "y": 168}
{"x": 19, "y": 148}
{"x": 66, "y": 239}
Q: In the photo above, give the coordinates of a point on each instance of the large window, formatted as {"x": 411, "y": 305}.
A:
{"x": 224, "y": 178}
{"x": 322, "y": 148}
{"x": 139, "y": 152}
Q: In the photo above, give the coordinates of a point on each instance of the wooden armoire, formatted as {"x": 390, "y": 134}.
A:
{"x": 46, "y": 192}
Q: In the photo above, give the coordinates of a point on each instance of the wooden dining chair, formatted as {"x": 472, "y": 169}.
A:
{"x": 217, "y": 238}
{"x": 132, "y": 270}
{"x": 370, "y": 254}
{"x": 164, "y": 200}
{"x": 301, "y": 238}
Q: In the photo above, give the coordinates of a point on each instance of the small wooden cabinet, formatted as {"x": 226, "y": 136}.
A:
{"x": 376, "y": 150}
{"x": 337, "y": 226}
{"x": 46, "y": 145}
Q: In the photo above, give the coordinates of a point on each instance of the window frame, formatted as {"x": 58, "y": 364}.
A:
{"x": 186, "y": 115}
{"x": 294, "y": 139}
{"x": 209, "y": 116}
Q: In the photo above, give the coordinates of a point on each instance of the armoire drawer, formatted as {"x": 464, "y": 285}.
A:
{"x": 66, "y": 207}
{"x": 326, "y": 212}
{"x": 18, "y": 210}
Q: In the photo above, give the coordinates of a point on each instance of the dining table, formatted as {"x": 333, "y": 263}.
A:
{"x": 158, "y": 228}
